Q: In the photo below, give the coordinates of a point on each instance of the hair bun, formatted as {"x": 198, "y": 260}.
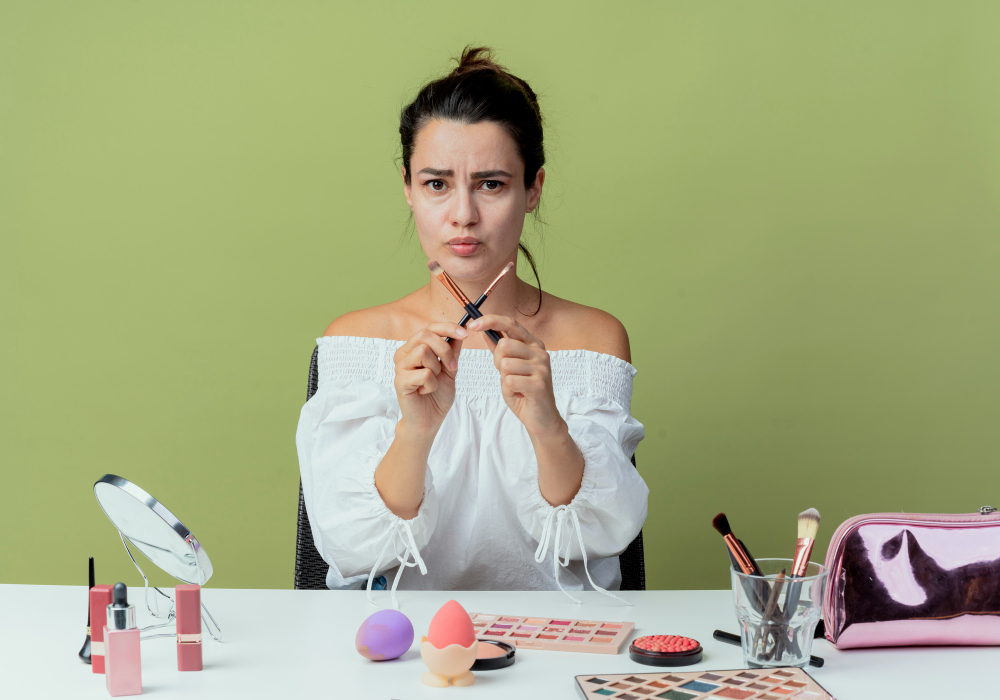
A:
{"x": 477, "y": 58}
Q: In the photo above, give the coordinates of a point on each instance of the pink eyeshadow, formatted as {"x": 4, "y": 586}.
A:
{"x": 479, "y": 624}
{"x": 580, "y": 631}
{"x": 496, "y": 633}
{"x": 502, "y": 627}
{"x": 573, "y": 639}
{"x": 527, "y": 627}
{"x": 554, "y": 629}
{"x": 509, "y": 619}
{"x": 560, "y": 622}
{"x": 536, "y": 621}
{"x": 606, "y": 633}
{"x": 611, "y": 625}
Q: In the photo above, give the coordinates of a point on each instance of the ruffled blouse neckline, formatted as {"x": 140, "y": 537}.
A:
{"x": 579, "y": 371}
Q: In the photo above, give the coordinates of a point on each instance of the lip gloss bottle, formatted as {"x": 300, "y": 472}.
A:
{"x": 123, "y": 667}
{"x": 188, "y": 602}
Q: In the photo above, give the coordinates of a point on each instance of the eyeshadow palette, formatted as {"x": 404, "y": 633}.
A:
{"x": 553, "y": 634}
{"x": 741, "y": 684}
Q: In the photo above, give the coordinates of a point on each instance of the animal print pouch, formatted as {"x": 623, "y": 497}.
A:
{"x": 910, "y": 579}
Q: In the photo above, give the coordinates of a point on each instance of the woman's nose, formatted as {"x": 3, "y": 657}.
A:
{"x": 463, "y": 212}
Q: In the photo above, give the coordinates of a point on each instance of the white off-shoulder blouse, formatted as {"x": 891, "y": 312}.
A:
{"x": 483, "y": 523}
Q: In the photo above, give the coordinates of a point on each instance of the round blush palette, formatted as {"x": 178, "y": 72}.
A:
{"x": 492, "y": 655}
{"x": 665, "y": 650}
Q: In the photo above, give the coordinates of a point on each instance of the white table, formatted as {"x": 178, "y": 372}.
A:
{"x": 300, "y": 644}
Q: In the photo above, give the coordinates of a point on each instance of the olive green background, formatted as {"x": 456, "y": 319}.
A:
{"x": 792, "y": 206}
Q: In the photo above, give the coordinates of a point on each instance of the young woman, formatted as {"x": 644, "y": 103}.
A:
{"x": 487, "y": 467}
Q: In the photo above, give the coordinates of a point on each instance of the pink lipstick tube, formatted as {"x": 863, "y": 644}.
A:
{"x": 188, "y": 602}
{"x": 100, "y": 599}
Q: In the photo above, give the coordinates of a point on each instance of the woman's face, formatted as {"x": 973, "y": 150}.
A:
{"x": 468, "y": 197}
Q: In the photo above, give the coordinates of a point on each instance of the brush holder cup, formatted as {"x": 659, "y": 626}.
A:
{"x": 777, "y": 614}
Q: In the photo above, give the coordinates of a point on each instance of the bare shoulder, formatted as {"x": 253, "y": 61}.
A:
{"x": 374, "y": 322}
{"x": 393, "y": 321}
{"x": 571, "y": 326}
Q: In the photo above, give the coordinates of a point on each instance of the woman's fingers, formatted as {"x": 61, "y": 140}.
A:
{"x": 515, "y": 365}
{"x": 525, "y": 385}
{"x": 410, "y": 355}
{"x": 422, "y": 356}
{"x": 505, "y": 325}
{"x": 419, "y": 381}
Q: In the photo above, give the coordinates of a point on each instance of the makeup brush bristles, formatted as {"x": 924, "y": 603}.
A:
{"x": 721, "y": 523}
{"x": 808, "y": 524}
{"x": 434, "y": 267}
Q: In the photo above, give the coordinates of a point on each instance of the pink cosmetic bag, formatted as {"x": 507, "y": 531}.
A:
{"x": 911, "y": 579}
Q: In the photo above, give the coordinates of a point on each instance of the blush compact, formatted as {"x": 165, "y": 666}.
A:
{"x": 492, "y": 655}
{"x": 665, "y": 650}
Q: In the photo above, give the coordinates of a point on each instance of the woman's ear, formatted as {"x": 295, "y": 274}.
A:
{"x": 535, "y": 191}
{"x": 406, "y": 188}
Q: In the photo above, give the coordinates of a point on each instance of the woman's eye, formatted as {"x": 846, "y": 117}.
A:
{"x": 497, "y": 184}
{"x": 434, "y": 185}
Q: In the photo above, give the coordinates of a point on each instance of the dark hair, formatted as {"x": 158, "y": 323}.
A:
{"x": 481, "y": 90}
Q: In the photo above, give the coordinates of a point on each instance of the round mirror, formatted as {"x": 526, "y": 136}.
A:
{"x": 154, "y": 530}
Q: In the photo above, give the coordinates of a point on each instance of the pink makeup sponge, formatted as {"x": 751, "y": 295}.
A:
{"x": 451, "y": 625}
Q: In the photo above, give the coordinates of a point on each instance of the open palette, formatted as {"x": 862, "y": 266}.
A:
{"x": 553, "y": 634}
{"x": 740, "y": 684}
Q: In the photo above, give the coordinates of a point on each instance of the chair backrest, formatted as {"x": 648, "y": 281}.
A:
{"x": 310, "y": 569}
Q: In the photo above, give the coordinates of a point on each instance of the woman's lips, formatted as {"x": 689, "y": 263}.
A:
{"x": 463, "y": 249}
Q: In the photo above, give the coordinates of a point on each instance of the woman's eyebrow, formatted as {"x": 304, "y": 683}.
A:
{"x": 475, "y": 176}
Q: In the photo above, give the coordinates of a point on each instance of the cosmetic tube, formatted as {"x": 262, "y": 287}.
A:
{"x": 188, "y": 601}
{"x": 100, "y": 599}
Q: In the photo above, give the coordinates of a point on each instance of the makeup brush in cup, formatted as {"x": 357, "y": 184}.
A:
{"x": 808, "y": 527}
{"x": 758, "y": 589}
{"x": 737, "y": 552}
{"x": 456, "y": 292}
{"x": 484, "y": 295}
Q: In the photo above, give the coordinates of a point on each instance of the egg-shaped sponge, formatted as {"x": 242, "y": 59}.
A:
{"x": 386, "y": 634}
{"x": 451, "y": 625}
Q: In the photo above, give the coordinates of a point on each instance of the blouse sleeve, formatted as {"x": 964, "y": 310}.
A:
{"x": 344, "y": 431}
{"x": 611, "y": 503}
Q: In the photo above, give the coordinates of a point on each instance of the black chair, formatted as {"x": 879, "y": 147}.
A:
{"x": 310, "y": 569}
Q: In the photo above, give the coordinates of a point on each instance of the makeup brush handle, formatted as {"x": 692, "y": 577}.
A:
{"x": 475, "y": 313}
{"x": 757, "y": 590}
{"x": 734, "y": 639}
{"x": 465, "y": 319}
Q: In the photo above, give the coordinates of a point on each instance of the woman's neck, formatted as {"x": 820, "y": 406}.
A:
{"x": 509, "y": 298}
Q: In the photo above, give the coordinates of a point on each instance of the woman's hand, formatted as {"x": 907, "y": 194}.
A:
{"x": 525, "y": 376}
{"x": 425, "y": 384}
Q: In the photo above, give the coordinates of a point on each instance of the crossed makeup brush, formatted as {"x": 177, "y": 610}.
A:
{"x": 471, "y": 309}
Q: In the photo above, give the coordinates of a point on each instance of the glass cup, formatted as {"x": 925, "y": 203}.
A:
{"x": 778, "y": 617}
